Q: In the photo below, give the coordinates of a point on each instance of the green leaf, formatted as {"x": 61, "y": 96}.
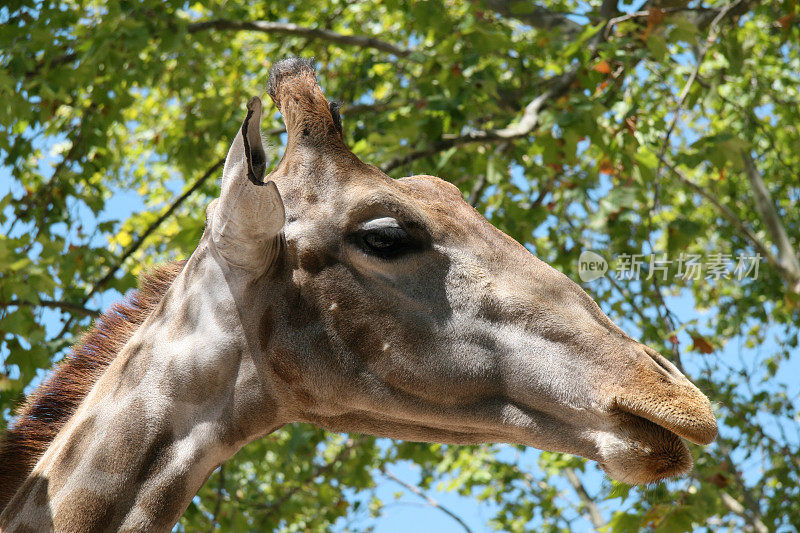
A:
{"x": 657, "y": 46}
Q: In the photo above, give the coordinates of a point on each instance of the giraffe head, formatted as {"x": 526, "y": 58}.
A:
{"x": 392, "y": 307}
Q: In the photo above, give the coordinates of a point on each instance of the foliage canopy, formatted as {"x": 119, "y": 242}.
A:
{"x": 665, "y": 128}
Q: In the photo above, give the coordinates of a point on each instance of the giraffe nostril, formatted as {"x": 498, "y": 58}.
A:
{"x": 663, "y": 366}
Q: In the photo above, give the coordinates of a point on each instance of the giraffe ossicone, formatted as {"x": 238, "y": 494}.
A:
{"x": 326, "y": 292}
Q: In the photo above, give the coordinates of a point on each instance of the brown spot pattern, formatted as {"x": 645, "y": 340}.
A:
{"x": 165, "y": 503}
{"x": 189, "y": 385}
{"x": 304, "y": 398}
{"x": 265, "y": 328}
{"x": 23, "y": 529}
{"x": 300, "y": 312}
{"x": 15, "y": 506}
{"x": 85, "y": 512}
{"x": 123, "y": 441}
{"x": 72, "y": 453}
{"x": 282, "y": 364}
{"x": 133, "y": 369}
{"x": 189, "y": 316}
{"x": 40, "y": 496}
{"x": 315, "y": 262}
{"x": 156, "y": 457}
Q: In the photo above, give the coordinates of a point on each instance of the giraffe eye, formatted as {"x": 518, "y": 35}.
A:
{"x": 385, "y": 238}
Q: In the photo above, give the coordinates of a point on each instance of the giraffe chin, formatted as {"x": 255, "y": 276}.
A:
{"x": 641, "y": 452}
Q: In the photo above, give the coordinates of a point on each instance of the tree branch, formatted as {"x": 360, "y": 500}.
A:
{"x": 481, "y": 183}
{"x": 559, "y": 85}
{"x": 591, "y": 507}
{"x": 72, "y": 307}
{"x": 728, "y": 215}
{"x": 57, "y": 61}
{"x": 283, "y": 28}
{"x": 477, "y": 191}
{"x": 428, "y": 499}
{"x": 710, "y": 40}
{"x": 218, "y": 504}
{"x": 698, "y": 10}
{"x": 535, "y": 16}
{"x": 753, "y": 517}
{"x": 530, "y": 117}
{"x": 377, "y": 107}
{"x": 733, "y": 505}
{"x": 787, "y": 258}
{"x": 669, "y": 323}
{"x": 286, "y": 28}
{"x": 527, "y": 123}
{"x": 135, "y": 245}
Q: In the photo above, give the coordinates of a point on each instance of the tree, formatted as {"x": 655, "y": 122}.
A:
{"x": 663, "y": 136}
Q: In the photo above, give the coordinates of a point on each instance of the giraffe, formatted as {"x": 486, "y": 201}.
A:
{"x": 328, "y": 293}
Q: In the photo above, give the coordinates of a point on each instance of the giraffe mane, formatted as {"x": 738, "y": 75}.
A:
{"x": 42, "y": 415}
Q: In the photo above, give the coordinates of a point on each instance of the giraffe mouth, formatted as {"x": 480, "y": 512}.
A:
{"x": 641, "y": 451}
{"x": 687, "y": 415}
{"x": 646, "y": 444}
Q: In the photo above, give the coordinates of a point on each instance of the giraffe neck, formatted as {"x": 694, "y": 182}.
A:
{"x": 176, "y": 402}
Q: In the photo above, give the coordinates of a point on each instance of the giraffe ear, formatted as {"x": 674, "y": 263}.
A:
{"x": 254, "y": 156}
{"x": 249, "y": 214}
